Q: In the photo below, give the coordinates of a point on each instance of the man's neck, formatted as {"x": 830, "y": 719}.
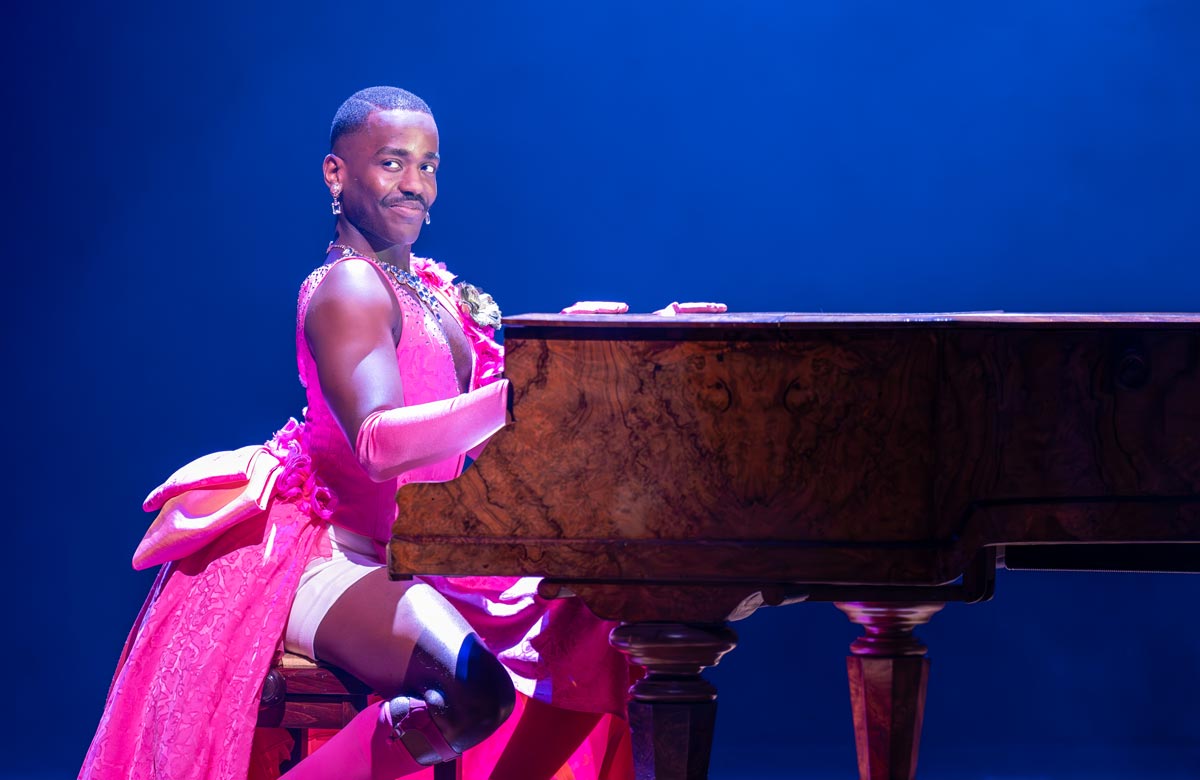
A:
{"x": 399, "y": 255}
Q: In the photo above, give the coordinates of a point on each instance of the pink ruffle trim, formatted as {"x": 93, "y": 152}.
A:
{"x": 489, "y": 355}
{"x": 298, "y": 483}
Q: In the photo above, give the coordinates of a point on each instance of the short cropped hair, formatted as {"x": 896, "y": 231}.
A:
{"x": 354, "y": 112}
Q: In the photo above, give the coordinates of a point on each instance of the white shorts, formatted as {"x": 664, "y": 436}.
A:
{"x": 323, "y": 582}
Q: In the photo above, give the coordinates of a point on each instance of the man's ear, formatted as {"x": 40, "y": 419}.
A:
{"x": 334, "y": 170}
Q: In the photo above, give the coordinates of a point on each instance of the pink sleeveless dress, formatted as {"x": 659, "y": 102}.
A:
{"x": 184, "y": 700}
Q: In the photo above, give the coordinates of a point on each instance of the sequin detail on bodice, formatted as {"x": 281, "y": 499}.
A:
{"x": 427, "y": 372}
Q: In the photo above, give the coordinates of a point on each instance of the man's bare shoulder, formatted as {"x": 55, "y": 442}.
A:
{"x": 351, "y": 290}
{"x": 352, "y": 281}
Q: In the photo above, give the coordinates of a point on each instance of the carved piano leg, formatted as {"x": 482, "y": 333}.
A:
{"x": 888, "y": 673}
{"x": 672, "y": 710}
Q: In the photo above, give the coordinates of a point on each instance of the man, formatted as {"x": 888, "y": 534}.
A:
{"x": 402, "y": 386}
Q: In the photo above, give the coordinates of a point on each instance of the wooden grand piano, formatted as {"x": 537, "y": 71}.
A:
{"x": 675, "y": 474}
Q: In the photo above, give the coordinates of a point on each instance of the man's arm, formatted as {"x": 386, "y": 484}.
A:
{"x": 352, "y": 327}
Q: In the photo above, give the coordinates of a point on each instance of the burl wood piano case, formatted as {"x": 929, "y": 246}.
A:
{"x": 678, "y": 473}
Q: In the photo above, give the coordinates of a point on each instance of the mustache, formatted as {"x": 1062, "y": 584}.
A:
{"x": 401, "y": 199}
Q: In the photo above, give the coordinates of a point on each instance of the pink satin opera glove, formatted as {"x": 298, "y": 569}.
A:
{"x": 393, "y": 441}
{"x": 596, "y": 307}
{"x": 691, "y": 307}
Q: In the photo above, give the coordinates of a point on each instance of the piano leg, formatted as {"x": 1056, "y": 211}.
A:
{"x": 888, "y": 672}
{"x": 672, "y": 710}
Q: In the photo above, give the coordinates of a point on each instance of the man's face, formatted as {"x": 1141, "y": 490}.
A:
{"x": 389, "y": 178}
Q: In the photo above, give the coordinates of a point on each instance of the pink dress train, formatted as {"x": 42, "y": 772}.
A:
{"x": 234, "y": 541}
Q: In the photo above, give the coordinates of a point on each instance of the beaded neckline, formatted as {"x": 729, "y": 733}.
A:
{"x": 406, "y": 278}
{"x": 480, "y": 331}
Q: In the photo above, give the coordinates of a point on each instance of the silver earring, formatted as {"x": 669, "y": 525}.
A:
{"x": 426, "y": 216}
{"x": 336, "y": 206}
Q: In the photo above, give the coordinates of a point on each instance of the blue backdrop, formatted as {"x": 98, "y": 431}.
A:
{"x": 816, "y": 155}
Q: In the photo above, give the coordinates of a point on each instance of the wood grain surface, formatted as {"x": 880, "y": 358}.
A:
{"x": 683, "y": 472}
{"x": 797, "y": 448}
